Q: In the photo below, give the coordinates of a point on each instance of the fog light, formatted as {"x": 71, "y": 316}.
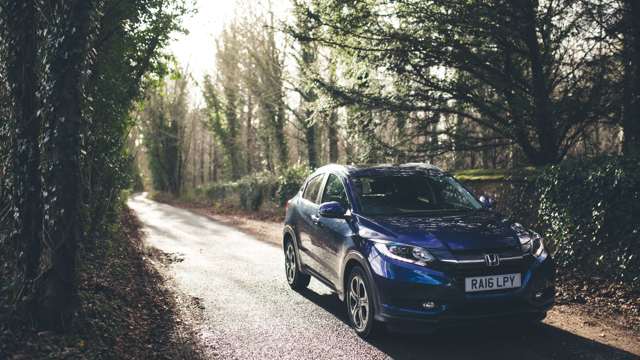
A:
{"x": 429, "y": 305}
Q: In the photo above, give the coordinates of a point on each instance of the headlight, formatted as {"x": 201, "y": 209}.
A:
{"x": 530, "y": 241}
{"x": 406, "y": 253}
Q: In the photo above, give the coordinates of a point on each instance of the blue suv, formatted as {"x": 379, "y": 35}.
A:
{"x": 409, "y": 247}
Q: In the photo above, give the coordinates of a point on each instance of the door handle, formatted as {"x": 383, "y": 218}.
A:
{"x": 315, "y": 219}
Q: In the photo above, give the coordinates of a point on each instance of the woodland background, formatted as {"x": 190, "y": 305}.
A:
{"x": 534, "y": 102}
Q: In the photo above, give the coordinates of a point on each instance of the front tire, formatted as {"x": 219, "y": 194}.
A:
{"x": 360, "y": 304}
{"x": 296, "y": 279}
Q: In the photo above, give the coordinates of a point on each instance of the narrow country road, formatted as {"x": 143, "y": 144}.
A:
{"x": 249, "y": 312}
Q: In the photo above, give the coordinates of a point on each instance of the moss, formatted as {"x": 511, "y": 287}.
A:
{"x": 495, "y": 174}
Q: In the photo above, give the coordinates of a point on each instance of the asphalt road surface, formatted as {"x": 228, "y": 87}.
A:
{"x": 249, "y": 311}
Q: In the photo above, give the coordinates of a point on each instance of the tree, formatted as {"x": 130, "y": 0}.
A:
{"x": 546, "y": 81}
{"x": 332, "y": 120}
{"x": 62, "y": 103}
{"x": 73, "y": 70}
{"x": 306, "y": 60}
{"x": 222, "y": 99}
{"x": 165, "y": 118}
{"x": 23, "y": 63}
{"x": 127, "y": 49}
{"x": 267, "y": 61}
{"x": 631, "y": 59}
{"x": 618, "y": 30}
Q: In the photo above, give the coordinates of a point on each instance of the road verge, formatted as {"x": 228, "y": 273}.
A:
{"x": 126, "y": 310}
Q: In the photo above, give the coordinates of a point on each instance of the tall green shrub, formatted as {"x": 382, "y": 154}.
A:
{"x": 252, "y": 191}
{"x": 290, "y": 181}
{"x": 590, "y": 210}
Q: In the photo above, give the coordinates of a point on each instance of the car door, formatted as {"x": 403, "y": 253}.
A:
{"x": 307, "y": 224}
{"x": 334, "y": 233}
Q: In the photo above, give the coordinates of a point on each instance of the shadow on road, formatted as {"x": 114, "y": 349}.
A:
{"x": 493, "y": 341}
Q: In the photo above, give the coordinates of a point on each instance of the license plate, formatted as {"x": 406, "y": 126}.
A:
{"x": 492, "y": 282}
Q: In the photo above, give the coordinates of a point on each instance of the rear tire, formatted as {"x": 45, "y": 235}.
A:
{"x": 359, "y": 298}
{"x": 296, "y": 279}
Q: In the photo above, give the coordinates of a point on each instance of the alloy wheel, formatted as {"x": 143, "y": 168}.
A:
{"x": 358, "y": 303}
{"x": 290, "y": 263}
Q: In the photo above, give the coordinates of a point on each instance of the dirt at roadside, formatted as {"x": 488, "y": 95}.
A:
{"x": 126, "y": 310}
{"x": 587, "y": 312}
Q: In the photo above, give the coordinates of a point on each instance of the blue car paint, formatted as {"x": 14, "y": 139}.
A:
{"x": 400, "y": 287}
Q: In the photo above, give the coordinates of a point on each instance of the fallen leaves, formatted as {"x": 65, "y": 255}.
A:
{"x": 125, "y": 311}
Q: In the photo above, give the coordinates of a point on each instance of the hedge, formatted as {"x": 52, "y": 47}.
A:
{"x": 587, "y": 210}
{"x": 591, "y": 211}
{"x": 251, "y": 192}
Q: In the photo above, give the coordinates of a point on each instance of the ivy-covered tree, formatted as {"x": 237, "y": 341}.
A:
{"x": 24, "y": 123}
{"x": 267, "y": 61}
{"x": 73, "y": 70}
{"x": 631, "y": 61}
{"x": 164, "y": 119}
{"x": 223, "y": 99}
{"x": 127, "y": 47}
{"x": 306, "y": 114}
{"x": 63, "y": 98}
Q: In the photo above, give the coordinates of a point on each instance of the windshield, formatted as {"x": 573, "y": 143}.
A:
{"x": 414, "y": 193}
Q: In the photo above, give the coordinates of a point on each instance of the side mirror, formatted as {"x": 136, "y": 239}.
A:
{"x": 487, "y": 202}
{"x": 332, "y": 210}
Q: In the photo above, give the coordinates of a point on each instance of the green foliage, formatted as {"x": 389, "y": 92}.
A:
{"x": 468, "y": 74}
{"x": 586, "y": 210}
{"x": 250, "y": 192}
{"x": 515, "y": 191}
{"x": 164, "y": 119}
{"x": 589, "y": 210}
{"x": 254, "y": 190}
{"x": 127, "y": 59}
{"x": 246, "y": 100}
{"x": 290, "y": 181}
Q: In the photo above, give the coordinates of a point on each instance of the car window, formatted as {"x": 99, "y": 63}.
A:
{"x": 334, "y": 191}
{"x": 397, "y": 194}
{"x": 312, "y": 189}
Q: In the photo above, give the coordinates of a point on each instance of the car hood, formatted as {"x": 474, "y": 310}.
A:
{"x": 457, "y": 232}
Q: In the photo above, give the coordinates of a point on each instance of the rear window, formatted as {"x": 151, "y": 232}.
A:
{"x": 312, "y": 189}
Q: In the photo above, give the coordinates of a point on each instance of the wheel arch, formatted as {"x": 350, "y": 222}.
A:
{"x": 353, "y": 259}
{"x": 290, "y": 233}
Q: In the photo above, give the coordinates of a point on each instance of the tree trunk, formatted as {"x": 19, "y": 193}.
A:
{"x": 332, "y": 124}
{"x": 249, "y": 139}
{"x": 56, "y": 288}
{"x": 332, "y": 134}
{"x": 212, "y": 160}
{"x": 230, "y": 141}
{"x": 631, "y": 95}
{"x": 215, "y": 161}
{"x": 548, "y": 151}
{"x": 23, "y": 77}
{"x": 280, "y": 139}
{"x": 310, "y": 137}
{"x": 203, "y": 153}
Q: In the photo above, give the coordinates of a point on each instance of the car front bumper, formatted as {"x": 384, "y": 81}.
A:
{"x": 411, "y": 296}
